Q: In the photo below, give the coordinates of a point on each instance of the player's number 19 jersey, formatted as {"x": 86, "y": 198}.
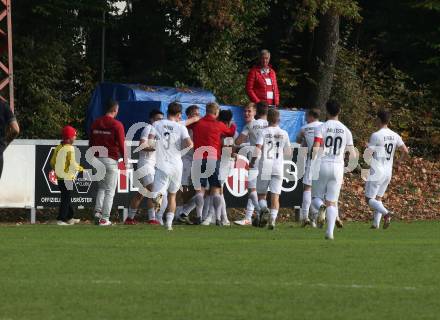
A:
{"x": 384, "y": 144}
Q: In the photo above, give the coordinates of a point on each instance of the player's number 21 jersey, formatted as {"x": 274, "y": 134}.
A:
{"x": 274, "y": 142}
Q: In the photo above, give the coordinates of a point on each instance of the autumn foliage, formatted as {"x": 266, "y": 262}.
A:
{"x": 413, "y": 194}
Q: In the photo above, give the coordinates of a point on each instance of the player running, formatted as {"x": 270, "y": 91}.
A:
{"x": 332, "y": 140}
{"x": 172, "y": 139}
{"x": 251, "y": 132}
{"x": 145, "y": 165}
{"x": 306, "y": 138}
{"x": 383, "y": 144}
{"x": 274, "y": 144}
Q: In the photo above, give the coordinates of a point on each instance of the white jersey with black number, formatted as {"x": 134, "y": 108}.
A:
{"x": 384, "y": 144}
{"x": 147, "y": 157}
{"x": 308, "y": 132}
{"x": 274, "y": 142}
{"x": 252, "y": 129}
{"x": 170, "y": 136}
{"x": 335, "y": 137}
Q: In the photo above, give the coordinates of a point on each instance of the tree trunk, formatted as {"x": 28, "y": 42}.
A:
{"x": 324, "y": 59}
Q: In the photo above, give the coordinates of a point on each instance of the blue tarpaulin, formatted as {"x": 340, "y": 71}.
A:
{"x": 137, "y": 101}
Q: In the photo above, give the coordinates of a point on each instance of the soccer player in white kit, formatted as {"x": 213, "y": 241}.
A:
{"x": 191, "y": 112}
{"x": 333, "y": 139}
{"x": 274, "y": 144}
{"x": 145, "y": 165}
{"x": 306, "y": 138}
{"x": 251, "y": 132}
{"x": 383, "y": 145}
{"x": 172, "y": 139}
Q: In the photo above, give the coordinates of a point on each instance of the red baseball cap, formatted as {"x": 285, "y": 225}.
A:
{"x": 68, "y": 132}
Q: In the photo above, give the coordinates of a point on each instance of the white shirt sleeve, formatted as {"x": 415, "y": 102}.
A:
{"x": 184, "y": 133}
{"x": 318, "y": 132}
{"x": 245, "y": 130}
{"x": 399, "y": 142}
{"x": 145, "y": 132}
{"x": 349, "y": 138}
{"x": 260, "y": 139}
{"x": 373, "y": 140}
{"x": 287, "y": 144}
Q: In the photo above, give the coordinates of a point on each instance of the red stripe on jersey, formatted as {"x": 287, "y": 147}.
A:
{"x": 318, "y": 139}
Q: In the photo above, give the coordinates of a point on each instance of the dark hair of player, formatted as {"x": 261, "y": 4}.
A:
{"x": 273, "y": 116}
{"x": 333, "y": 108}
{"x": 174, "y": 109}
{"x": 384, "y": 116}
{"x": 314, "y": 113}
{"x": 225, "y": 116}
{"x": 154, "y": 112}
{"x": 262, "y": 108}
{"x": 192, "y": 108}
{"x": 111, "y": 106}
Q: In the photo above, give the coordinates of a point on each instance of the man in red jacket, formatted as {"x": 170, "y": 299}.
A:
{"x": 107, "y": 132}
{"x": 261, "y": 83}
{"x": 207, "y": 135}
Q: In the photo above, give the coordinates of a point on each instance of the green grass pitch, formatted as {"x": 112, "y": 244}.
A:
{"x": 194, "y": 272}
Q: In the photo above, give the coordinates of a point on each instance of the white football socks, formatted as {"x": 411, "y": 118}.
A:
{"x": 317, "y": 203}
{"x": 217, "y": 203}
{"x": 163, "y": 207}
{"x": 224, "y": 212}
{"x": 206, "y": 209}
{"x": 170, "y": 218}
{"x": 332, "y": 213}
{"x": 273, "y": 216}
{"x": 249, "y": 209}
{"x": 305, "y": 207}
{"x": 254, "y": 198}
{"x": 377, "y": 206}
{"x": 151, "y": 214}
{"x": 199, "y": 201}
{"x": 377, "y": 218}
{"x": 189, "y": 206}
{"x": 131, "y": 213}
{"x": 164, "y": 204}
{"x": 262, "y": 204}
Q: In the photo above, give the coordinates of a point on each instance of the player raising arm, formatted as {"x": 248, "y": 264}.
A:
{"x": 383, "y": 145}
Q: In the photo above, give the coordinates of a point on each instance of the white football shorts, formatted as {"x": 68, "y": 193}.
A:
{"x": 164, "y": 182}
{"x": 377, "y": 188}
{"x": 328, "y": 186}
{"x": 272, "y": 184}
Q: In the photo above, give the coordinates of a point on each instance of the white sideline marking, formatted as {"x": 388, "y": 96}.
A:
{"x": 285, "y": 284}
{"x": 106, "y": 281}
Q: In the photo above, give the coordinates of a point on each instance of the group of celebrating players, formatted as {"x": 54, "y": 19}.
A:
{"x": 183, "y": 166}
